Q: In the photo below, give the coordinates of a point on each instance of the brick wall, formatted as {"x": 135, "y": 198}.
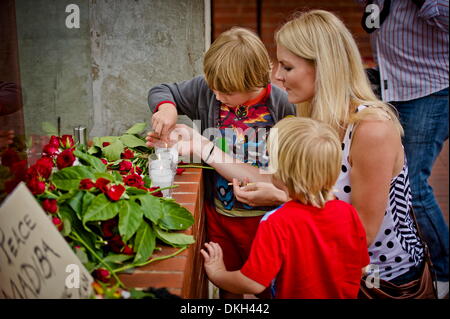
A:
{"x": 228, "y": 13}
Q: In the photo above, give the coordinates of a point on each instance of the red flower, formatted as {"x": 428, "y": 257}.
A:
{"x": 127, "y": 154}
{"x": 115, "y": 192}
{"x": 54, "y": 140}
{"x": 157, "y": 194}
{"x": 86, "y": 183}
{"x": 102, "y": 274}
{"x": 19, "y": 169}
{"x": 133, "y": 180}
{"x": 104, "y": 161}
{"x": 109, "y": 227}
{"x": 44, "y": 167}
{"x": 9, "y": 157}
{"x": 36, "y": 186}
{"x": 65, "y": 159}
{"x": 58, "y": 223}
{"x": 104, "y": 144}
{"x": 102, "y": 183}
{"x": 118, "y": 246}
{"x": 67, "y": 141}
{"x": 125, "y": 166}
{"x": 50, "y": 205}
{"x": 138, "y": 170}
{"x": 50, "y": 150}
{"x": 180, "y": 171}
{"x": 127, "y": 250}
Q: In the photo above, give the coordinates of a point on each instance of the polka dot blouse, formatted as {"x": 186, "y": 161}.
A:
{"x": 396, "y": 247}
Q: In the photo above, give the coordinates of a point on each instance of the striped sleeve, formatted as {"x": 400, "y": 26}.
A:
{"x": 435, "y": 13}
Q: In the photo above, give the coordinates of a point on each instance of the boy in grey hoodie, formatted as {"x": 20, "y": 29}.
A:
{"x": 236, "y": 99}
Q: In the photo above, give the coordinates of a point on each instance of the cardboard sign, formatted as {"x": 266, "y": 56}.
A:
{"x": 35, "y": 259}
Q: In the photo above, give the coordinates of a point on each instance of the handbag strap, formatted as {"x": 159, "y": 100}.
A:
{"x": 426, "y": 251}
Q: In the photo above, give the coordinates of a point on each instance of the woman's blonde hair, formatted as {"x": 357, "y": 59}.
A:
{"x": 237, "y": 61}
{"x": 305, "y": 155}
{"x": 321, "y": 38}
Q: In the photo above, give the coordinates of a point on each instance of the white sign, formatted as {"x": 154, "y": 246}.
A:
{"x": 35, "y": 260}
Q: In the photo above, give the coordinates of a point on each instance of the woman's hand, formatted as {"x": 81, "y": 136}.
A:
{"x": 259, "y": 194}
{"x": 188, "y": 140}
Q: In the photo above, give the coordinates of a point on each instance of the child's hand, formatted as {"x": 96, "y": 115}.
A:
{"x": 214, "y": 264}
{"x": 164, "y": 120}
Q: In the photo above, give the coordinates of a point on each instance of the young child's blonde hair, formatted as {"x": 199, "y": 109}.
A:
{"x": 307, "y": 157}
{"x": 237, "y": 61}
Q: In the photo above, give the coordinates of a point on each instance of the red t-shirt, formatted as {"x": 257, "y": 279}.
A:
{"x": 311, "y": 253}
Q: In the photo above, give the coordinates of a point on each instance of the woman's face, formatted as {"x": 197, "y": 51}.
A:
{"x": 297, "y": 75}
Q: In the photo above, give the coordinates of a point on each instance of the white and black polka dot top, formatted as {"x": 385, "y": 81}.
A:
{"x": 397, "y": 247}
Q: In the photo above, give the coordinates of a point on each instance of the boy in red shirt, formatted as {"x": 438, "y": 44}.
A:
{"x": 310, "y": 247}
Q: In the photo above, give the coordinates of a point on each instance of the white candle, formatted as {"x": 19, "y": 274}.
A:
{"x": 162, "y": 178}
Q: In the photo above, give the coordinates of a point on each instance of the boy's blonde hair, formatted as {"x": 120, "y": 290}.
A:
{"x": 237, "y": 61}
{"x": 307, "y": 154}
{"x": 321, "y": 38}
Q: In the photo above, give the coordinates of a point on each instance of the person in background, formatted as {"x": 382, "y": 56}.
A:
{"x": 9, "y": 103}
{"x": 411, "y": 47}
{"x": 310, "y": 247}
{"x": 236, "y": 99}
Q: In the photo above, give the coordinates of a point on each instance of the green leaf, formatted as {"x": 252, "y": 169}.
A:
{"x": 101, "y": 208}
{"x": 137, "y": 128}
{"x": 67, "y": 213}
{"x": 81, "y": 254}
{"x": 139, "y": 294}
{"x": 49, "y": 129}
{"x": 98, "y": 141}
{"x": 174, "y": 239}
{"x": 151, "y": 206}
{"x": 108, "y": 176}
{"x": 87, "y": 200}
{"x": 117, "y": 177}
{"x": 147, "y": 181}
{"x": 69, "y": 178}
{"x": 94, "y": 150}
{"x": 93, "y": 161}
{"x": 116, "y": 258}
{"x": 132, "y": 141}
{"x": 135, "y": 191}
{"x": 67, "y": 225}
{"x": 130, "y": 218}
{"x": 144, "y": 243}
{"x": 76, "y": 202}
{"x": 112, "y": 152}
{"x": 175, "y": 217}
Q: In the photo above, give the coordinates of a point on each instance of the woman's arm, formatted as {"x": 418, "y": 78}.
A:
{"x": 376, "y": 155}
{"x": 189, "y": 141}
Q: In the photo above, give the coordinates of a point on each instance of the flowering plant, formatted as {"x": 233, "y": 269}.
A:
{"x": 102, "y": 201}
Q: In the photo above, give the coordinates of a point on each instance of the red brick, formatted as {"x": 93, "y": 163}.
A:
{"x": 177, "y": 263}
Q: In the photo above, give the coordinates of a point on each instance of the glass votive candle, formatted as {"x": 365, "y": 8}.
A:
{"x": 162, "y": 172}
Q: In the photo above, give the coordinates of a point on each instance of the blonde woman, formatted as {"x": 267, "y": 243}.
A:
{"x": 321, "y": 70}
